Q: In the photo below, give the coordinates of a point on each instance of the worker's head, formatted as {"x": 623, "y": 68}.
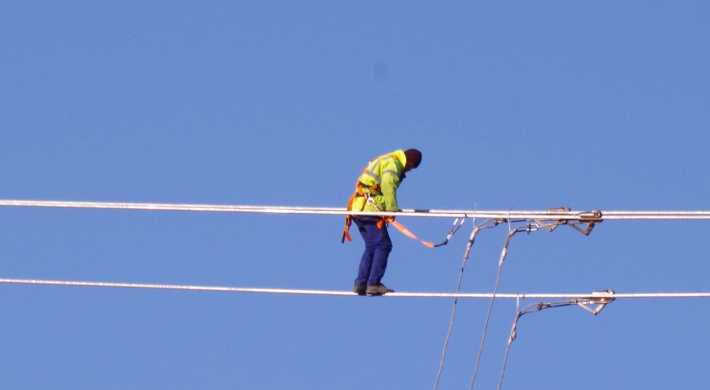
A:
{"x": 414, "y": 158}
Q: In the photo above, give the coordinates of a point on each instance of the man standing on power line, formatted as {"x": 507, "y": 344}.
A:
{"x": 376, "y": 190}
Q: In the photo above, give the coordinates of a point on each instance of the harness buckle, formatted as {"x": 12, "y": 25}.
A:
{"x": 371, "y": 201}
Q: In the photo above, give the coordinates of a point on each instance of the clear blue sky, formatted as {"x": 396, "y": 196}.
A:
{"x": 592, "y": 105}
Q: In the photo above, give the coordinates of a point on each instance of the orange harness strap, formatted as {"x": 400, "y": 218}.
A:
{"x": 404, "y": 230}
{"x": 349, "y": 218}
{"x": 348, "y": 221}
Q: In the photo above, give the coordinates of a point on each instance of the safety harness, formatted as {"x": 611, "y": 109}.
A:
{"x": 360, "y": 192}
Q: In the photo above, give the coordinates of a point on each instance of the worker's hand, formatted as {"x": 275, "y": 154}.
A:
{"x": 395, "y": 211}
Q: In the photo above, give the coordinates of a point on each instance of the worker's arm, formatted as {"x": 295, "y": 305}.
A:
{"x": 390, "y": 183}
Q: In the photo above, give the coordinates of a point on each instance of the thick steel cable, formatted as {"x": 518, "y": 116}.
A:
{"x": 501, "y": 215}
{"x": 350, "y": 293}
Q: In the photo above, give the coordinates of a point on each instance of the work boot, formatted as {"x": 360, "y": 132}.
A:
{"x": 360, "y": 289}
{"x": 378, "y": 289}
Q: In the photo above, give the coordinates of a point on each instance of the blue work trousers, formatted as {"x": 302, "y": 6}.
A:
{"x": 377, "y": 249}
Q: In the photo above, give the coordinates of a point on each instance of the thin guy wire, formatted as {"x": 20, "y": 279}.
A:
{"x": 501, "y": 215}
{"x": 453, "y": 312}
{"x": 503, "y": 255}
{"x": 350, "y": 293}
{"x": 505, "y": 361}
{"x": 470, "y": 243}
{"x": 507, "y": 348}
{"x": 485, "y": 327}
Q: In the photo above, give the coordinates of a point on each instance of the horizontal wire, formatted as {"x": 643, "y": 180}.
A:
{"x": 349, "y": 293}
{"x": 502, "y": 215}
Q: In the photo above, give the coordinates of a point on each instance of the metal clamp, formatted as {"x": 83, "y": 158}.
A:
{"x": 588, "y": 219}
{"x": 600, "y": 301}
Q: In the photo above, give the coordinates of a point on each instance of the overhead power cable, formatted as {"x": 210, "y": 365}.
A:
{"x": 499, "y": 215}
{"x": 583, "y": 221}
{"x": 517, "y": 296}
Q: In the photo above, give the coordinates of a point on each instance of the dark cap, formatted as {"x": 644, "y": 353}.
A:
{"x": 414, "y": 157}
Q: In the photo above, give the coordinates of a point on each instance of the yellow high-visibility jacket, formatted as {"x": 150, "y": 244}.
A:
{"x": 381, "y": 179}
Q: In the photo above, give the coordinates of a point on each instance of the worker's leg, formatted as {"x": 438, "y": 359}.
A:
{"x": 363, "y": 272}
{"x": 383, "y": 247}
{"x": 377, "y": 248}
{"x": 363, "y": 224}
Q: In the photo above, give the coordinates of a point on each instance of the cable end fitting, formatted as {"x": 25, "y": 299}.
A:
{"x": 591, "y": 216}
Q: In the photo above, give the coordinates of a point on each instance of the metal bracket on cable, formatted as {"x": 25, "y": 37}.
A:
{"x": 600, "y": 301}
{"x": 589, "y": 219}
{"x": 600, "y": 298}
